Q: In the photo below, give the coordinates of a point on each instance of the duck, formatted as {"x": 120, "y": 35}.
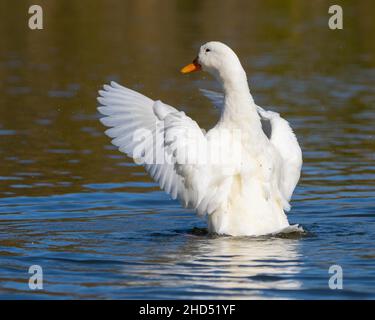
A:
{"x": 239, "y": 175}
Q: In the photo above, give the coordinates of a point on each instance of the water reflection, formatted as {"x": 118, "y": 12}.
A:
{"x": 225, "y": 267}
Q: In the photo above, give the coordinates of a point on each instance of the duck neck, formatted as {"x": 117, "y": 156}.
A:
{"x": 239, "y": 107}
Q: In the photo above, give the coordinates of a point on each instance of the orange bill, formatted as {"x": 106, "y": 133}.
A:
{"x": 195, "y": 66}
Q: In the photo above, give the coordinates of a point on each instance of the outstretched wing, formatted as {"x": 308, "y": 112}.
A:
{"x": 283, "y": 139}
{"x": 168, "y": 143}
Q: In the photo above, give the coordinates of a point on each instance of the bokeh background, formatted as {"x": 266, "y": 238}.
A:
{"x": 98, "y": 225}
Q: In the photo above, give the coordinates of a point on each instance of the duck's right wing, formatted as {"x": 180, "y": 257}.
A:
{"x": 283, "y": 139}
{"x": 169, "y": 144}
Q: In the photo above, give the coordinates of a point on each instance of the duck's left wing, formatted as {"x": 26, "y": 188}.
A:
{"x": 169, "y": 144}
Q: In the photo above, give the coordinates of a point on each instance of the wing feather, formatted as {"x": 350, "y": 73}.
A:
{"x": 143, "y": 129}
{"x": 285, "y": 141}
{"x": 282, "y": 138}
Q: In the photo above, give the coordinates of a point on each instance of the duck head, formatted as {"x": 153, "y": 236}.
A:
{"x": 216, "y": 58}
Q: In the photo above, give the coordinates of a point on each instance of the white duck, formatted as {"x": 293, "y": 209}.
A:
{"x": 238, "y": 176}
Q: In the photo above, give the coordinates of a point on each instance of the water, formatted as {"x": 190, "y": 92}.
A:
{"x": 95, "y": 222}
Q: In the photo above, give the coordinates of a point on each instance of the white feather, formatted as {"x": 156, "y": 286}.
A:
{"x": 240, "y": 176}
{"x": 283, "y": 139}
{"x": 126, "y": 111}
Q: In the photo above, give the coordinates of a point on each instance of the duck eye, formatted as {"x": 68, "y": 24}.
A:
{"x": 208, "y": 50}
